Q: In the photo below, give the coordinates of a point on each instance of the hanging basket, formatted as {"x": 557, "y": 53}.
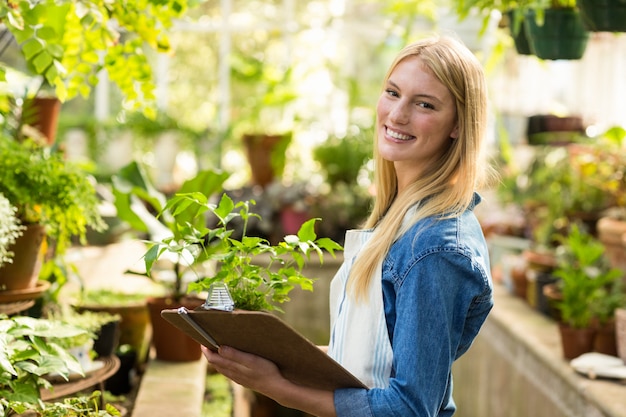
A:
{"x": 517, "y": 30}
{"x": 561, "y": 36}
{"x": 603, "y": 15}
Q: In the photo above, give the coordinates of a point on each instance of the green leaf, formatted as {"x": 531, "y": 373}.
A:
{"x": 46, "y": 33}
{"x": 27, "y": 393}
{"x": 307, "y": 230}
{"x": 208, "y": 182}
{"x": 224, "y": 207}
{"x": 151, "y": 256}
{"x": 329, "y": 245}
{"x": 51, "y": 74}
{"x": 31, "y": 48}
{"x": 42, "y": 61}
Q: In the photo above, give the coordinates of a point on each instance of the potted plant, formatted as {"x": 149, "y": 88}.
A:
{"x": 603, "y": 15}
{"x": 342, "y": 201}
{"x": 259, "y": 275}
{"x": 79, "y": 346}
{"x": 135, "y": 330}
{"x": 27, "y": 356}
{"x": 102, "y": 325}
{"x": 610, "y": 298}
{"x": 605, "y": 167}
{"x": 555, "y": 29}
{"x": 78, "y": 406}
{"x": 256, "y": 274}
{"x": 584, "y": 279}
{"x": 512, "y": 10}
{"x": 134, "y": 194}
{"x": 263, "y": 119}
{"x": 54, "y": 199}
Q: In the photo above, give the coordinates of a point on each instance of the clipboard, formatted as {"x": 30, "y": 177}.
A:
{"x": 265, "y": 335}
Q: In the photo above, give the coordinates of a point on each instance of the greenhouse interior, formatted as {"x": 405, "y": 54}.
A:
{"x": 166, "y": 163}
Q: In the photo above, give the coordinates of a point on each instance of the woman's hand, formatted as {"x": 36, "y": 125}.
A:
{"x": 264, "y": 377}
{"x": 245, "y": 369}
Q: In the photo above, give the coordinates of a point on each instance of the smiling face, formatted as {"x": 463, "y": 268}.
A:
{"x": 416, "y": 119}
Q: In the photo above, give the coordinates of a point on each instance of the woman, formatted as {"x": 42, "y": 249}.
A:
{"x": 415, "y": 286}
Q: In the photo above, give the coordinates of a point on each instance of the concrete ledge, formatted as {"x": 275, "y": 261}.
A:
{"x": 516, "y": 369}
{"x": 171, "y": 389}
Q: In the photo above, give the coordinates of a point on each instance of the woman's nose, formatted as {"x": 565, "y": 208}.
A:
{"x": 399, "y": 113}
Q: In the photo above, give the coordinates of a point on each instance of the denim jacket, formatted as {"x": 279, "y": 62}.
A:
{"x": 437, "y": 293}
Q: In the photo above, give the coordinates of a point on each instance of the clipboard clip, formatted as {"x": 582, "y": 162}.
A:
{"x": 219, "y": 298}
{"x": 184, "y": 313}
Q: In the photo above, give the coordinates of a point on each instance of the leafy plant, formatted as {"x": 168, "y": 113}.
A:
{"x": 604, "y": 165}
{"x": 90, "y": 321}
{"x": 585, "y": 277}
{"x": 109, "y": 297}
{"x": 342, "y": 158}
{"x": 255, "y": 283}
{"x": 343, "y": 199}
{"x": 26, "y": 356}
{"x": 69, "y": 41}
{"x": 551, "y": 190}
{"x": 47, "y": 189}
{"x": 264, "y": 90}
{"x": 79, "y": 406}
{"x": 10, "y": 229}
{"x": 138, "y": 203}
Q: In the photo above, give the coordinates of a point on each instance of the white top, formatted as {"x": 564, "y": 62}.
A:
{"x": 359, "y": 340}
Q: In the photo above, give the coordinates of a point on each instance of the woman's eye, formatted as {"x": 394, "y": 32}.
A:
{"x": 392, "y": 93}
{"x": 425, "y": 105}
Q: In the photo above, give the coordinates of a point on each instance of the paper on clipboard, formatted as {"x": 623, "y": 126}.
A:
{"x": 265, "y": 335}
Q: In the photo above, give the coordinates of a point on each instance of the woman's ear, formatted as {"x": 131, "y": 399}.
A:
{"x": 455, "y": 132}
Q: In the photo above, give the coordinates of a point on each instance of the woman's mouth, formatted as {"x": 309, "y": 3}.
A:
{"x": 397, "y": 135}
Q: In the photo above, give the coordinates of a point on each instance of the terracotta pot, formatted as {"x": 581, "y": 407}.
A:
{"x": 23, "y": 272}
{"x": 574, "y": 341}
{"x": 612, "y": 234}
{"x": 542, "y": 261}
{"x": 266, "y": 156}
{"x": 171, "y": 344}
{"x": 605, "y": 340}
{"x": 45, "y": 114}
{"x": 520, "y": 283}
{"x": 620, "y": 333}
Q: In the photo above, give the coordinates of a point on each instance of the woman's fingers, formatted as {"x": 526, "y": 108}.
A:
{"x": 244, "y": 368}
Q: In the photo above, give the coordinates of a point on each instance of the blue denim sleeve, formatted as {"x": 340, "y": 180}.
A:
{"x": 429, "y": 307}
{"x": 352, "y": 402}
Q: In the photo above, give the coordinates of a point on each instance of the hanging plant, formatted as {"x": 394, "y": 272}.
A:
{"x": 68, "y": 42}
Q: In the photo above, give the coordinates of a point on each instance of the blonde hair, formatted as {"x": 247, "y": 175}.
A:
{"x": 447, "y": 186}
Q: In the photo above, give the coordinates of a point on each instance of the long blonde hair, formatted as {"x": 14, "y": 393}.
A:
{"x": 447, "y": 185}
